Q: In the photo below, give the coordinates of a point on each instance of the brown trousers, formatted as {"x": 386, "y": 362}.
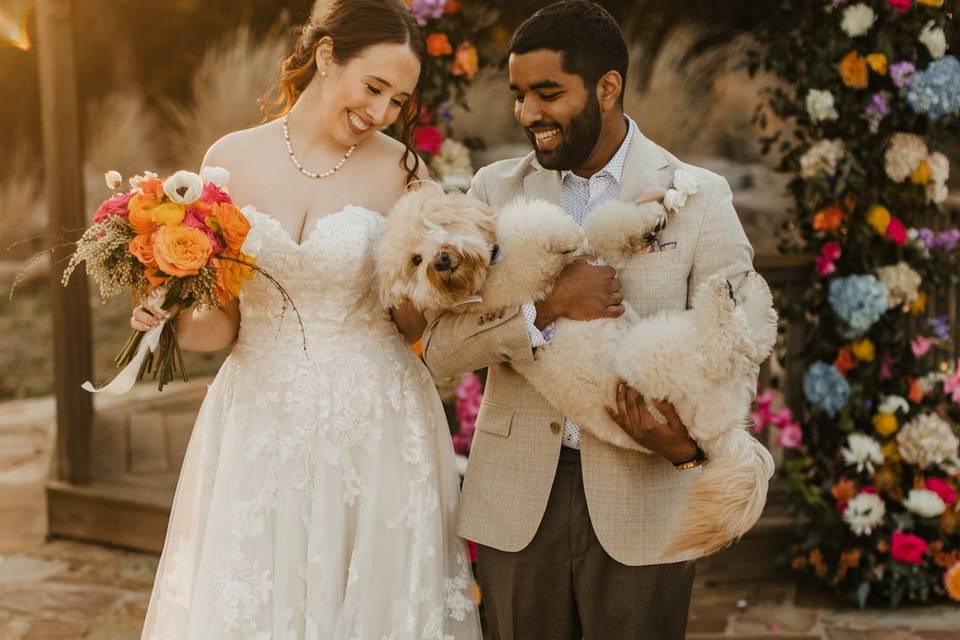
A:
{"x": 564, "y": 586}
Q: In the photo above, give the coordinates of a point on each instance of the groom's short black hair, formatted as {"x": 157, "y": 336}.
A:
{"x": 588, "y": 38}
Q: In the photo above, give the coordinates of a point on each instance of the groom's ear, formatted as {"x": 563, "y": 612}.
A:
{"x": 610, "y": 90}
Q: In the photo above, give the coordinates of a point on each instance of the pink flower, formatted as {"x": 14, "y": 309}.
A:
{"x": 900, "y": 6}
{"x": 907, "y": 548}
{"x": 897, "y": 232}
{"x": 194, "y": 218}
{"x": 782, "y": 417}
{"x": 469, "y": 394}
{"x": 828, "y": 254}
{"x": 790, "y": 436}
{"x": 472, "y": 548}
{"x": 951, "y": 386}
{"x": 824, "y": 266}
{"x": 428, "y": 139}
{"x": 943, "y": 489}
{"x": 212, "y": 193}
{"x": 886, "y": 367}
{"x": 870, "y": 489}
{"x": 921, "y": 345}
{"x": 114, "y": 206}
{"x": 831, "y": 250}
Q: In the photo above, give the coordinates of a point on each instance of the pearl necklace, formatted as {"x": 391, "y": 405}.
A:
{"x": 296, "y": 163}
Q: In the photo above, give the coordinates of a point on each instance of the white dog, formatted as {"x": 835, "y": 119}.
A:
{"x": 449, "y": 252}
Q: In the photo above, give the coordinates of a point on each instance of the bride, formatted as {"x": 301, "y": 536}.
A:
{"x": 317, "y": 495}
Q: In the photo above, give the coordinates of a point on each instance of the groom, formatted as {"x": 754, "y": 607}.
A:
{"x": 570, "y": 529}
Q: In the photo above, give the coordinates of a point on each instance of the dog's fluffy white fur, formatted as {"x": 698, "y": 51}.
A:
{"x": 702, "y": 360}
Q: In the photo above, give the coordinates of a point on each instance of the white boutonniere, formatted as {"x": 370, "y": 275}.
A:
{"x": 684, "y": 185}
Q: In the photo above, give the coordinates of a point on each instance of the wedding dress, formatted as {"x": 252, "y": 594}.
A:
{"x": 317, "y": 496}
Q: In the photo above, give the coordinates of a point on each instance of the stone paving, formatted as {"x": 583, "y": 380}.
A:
{"x": 64, "y": 590}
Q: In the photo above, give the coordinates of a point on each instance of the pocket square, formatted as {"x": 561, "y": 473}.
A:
{"x": 657, "y": 246}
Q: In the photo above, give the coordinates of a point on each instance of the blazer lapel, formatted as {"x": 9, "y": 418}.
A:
{"x": 543, "y": 184}
{"x": 647, "y": 165}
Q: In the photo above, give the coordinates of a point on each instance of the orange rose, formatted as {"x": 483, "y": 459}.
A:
{"x": 152, "y": 189}
{"x": 951, "y": 580}
{"x": 828, "y": 218}
{"x": 233, "y": 224}
{"x": 453, "y": 6}
{"x": 853, "y": 70}
{"x": 232, "y": 274}
{"x": 180, "y": 250}
{"x": 467, "y": 61}
{"x": 140, "y": 219}
{"x": 142, "y": 248}
{"x": 438, "y": 44}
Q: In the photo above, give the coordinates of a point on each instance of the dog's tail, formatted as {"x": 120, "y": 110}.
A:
{"x": 728, "y": 497}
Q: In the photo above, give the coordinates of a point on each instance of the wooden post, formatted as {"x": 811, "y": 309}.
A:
{"x": 63, "y": 163}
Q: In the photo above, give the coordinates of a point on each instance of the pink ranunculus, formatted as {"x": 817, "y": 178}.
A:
{"x": 791, "y": 435}
{"x": 831, "y": 250}
{"x": 115, "y": 206}
{"x": 921, "y": 345}
{"x": 897, "y": 232}
{"x": 900, "y": 6}
{"x": 194, "y": 218}
{"x": 428, "y": 139}
{"x": 907, "y": 548}
{"x": 212, "y": 193}
{"x": 824, "y": 266}
{"x": 765, "y": 399}
{"x": 943, "y": 489}
{"x": 782, "y": 417}
{"x": 760, "y": 419}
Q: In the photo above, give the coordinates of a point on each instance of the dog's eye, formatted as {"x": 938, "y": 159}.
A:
{"x": 417, "y": 260}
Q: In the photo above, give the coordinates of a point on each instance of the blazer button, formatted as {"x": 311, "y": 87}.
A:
{"x": 555, "y": 427}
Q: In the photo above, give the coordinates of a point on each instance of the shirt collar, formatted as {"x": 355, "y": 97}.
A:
{"x": 613, "y": 168}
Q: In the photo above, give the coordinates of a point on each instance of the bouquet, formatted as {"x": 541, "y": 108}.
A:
{"x": 176, "y": 241}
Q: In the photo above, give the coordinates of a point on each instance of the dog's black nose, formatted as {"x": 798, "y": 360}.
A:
{"x": 442, "y": 262}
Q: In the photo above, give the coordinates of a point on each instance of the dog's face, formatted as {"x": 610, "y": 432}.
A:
{"x": 436, "y": 249}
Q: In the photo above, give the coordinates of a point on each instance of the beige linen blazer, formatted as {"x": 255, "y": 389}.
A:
{"x": 634, "y": 500}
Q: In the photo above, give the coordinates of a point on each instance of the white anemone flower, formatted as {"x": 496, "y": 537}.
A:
{"x": 113, "y": 179}
{"x": 183, "y": 187}
{"x": 933, "y": 39}
{"x": 217, "y": 175}
{"x": 863, "y": 451}
{"x": 864, "y": 512}
{"x": 924, "y": 503}
{"x": 892, "y": 404}
{"x": 136, "y": 180}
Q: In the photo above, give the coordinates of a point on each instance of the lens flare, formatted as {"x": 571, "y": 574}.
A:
{"x": 13, "y": 23}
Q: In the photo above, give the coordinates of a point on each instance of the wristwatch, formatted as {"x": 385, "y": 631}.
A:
{"x": 698, "y": 459}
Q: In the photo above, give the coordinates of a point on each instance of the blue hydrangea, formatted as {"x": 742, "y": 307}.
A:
{"x": 935, "y": 91}
{"x": 859, "y": 301}
{"x": 825, "y": 388}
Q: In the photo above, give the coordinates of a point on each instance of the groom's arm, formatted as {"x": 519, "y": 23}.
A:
{"x": 722, "y": 246}
{"x": 454, "y": 343}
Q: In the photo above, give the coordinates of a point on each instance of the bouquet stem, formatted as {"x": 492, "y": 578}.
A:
{"x": 163, "y": 363}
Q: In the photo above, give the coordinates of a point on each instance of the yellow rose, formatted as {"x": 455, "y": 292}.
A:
{"x": 168, "y": 213}
{"x": 886, "y": 424}
{"x": 879, "y": 218}
{"x": 919, "y": 305}
{"x": 180, "y": 250}
{"x": 921, "y": 175}
{"x": 878, "y": 63}
{"x": 864, "y": 350}
{"x": 931, "y": 3}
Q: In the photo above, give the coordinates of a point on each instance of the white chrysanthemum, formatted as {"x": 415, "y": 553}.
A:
{"x": 820, "y": 105}
{"x": 113, "y": 179}
{"x": 927, "y": 440}
{"x": 892, "y": 404}
{"x": 183, "y": 187}
{"x": 452, "y": 165}
{"x": 864, "y": 512}
{"x": 939, "y": 174}
{"x": 863, "y": 451}
{"x": 934, "y": 39}
{"x": 217, "y": 175}
{"x": 822, "y": 158}
{"x": 136, "y": 180}
{"x": 903, "y": 284}
{"x": 904, "y": 155}
{"x": 857, "y": 20}
{"x": 924, "y": 503}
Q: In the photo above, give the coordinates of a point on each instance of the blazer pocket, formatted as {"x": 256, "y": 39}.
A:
{"x": 495, "y": 419}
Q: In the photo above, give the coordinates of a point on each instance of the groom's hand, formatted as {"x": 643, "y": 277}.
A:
{"x": 582, "y": 292}
{"x": 669, "y": 439}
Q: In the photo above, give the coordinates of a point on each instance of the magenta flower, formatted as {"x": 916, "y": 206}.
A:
{"x": 428, "y": 139}
{"x": 791, "y": 436}
{"x": 900, "y": 6}
{"x": 469, "y": 394}
{"x": 897, "y": 232}
{"x": 825, "y": 261}
{"x": 114, "y": 206}
{"x": 921, "y": 345}
{"x": 907, "y": 548}
{"x": 943, "y": 489}
{"x": 212, "y": 193}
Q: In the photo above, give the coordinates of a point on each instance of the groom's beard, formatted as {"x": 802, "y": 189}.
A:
{"x": 579, "y": 138}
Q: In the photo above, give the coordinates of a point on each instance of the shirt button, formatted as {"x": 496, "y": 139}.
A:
{"x": 555, "y": 427}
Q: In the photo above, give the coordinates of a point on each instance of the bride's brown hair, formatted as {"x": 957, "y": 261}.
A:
{"x": 353, "y": 25}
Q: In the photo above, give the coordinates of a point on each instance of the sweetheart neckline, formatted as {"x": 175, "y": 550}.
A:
{"x": 316, "y": 225}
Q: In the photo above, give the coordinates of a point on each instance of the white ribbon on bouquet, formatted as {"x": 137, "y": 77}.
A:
{"x": 148, "y": 344}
